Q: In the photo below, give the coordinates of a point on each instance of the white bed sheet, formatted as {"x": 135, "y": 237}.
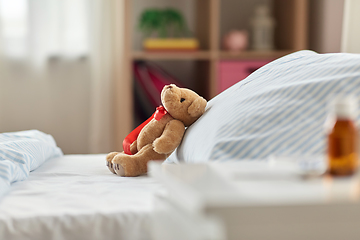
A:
{"x": 76, "y": 197}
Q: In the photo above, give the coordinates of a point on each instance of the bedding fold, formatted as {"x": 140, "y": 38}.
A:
{"x": 22, "y": 152}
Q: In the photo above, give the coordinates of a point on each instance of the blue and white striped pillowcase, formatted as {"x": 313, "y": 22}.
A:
{"x": 22, "y": 152}
{"x": 278, "y": 110}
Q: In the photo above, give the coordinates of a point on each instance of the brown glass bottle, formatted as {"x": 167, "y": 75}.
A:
{"x": 342, "y": 148}
{"x": 342, "y": 138}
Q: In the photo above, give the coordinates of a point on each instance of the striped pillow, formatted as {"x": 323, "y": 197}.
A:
{"x": 278, "y": 110}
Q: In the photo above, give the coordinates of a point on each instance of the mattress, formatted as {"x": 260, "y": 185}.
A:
{"x": 76, "y": 197}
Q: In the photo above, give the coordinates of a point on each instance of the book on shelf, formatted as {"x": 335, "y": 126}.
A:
{"x": 149, "y": 80}
{"x": 171, "y": 44}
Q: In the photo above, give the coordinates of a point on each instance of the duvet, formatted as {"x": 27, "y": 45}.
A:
{"x": 22, "y": 152}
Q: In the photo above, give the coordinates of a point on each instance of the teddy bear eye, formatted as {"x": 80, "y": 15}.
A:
{"x": 182, "y": 99}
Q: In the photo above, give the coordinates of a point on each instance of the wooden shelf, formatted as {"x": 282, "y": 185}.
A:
{"x": 208, "y": 55}
{"x": 197, "y": 55}
{"x": 209, "y": 18}
{"x": 250, "y": 55}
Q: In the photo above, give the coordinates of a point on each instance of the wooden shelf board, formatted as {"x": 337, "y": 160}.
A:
{"x": 252, "y": 54}
{"x": 209, "y": 55}
{"x": 197, "y": 55}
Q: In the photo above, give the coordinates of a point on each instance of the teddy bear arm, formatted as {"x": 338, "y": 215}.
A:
{"x": 133, "y": 147}
{"x": 170, "y": 138}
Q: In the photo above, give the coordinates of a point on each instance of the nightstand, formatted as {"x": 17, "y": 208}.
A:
{"x": 254, "y": 200}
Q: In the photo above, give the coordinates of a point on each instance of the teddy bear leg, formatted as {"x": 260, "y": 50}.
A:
{"x": 109, "y": 163}
{"x": 135, "y": 165}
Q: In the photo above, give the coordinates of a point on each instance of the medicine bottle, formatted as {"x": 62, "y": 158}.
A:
{"x": 342, "y": 138}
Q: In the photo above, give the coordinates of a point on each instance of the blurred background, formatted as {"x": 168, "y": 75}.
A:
{"x": 63, "y": 62}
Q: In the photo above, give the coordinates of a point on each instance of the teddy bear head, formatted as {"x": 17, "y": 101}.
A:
{"x": 182, "y": 104}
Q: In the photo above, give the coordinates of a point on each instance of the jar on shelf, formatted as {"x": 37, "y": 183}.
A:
{"x": 262, "y": 25}
{"x": 236, "y": 40}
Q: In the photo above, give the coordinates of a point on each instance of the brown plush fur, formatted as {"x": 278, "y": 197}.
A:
{"x": 158, "y": 139}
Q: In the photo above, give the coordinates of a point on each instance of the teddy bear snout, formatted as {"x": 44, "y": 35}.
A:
{"x": 170, "y": 93}
{"x": 170, "y": 86}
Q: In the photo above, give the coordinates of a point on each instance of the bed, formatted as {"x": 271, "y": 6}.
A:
{"x": 76, "y": 197}
{"x": 279, "y": 110}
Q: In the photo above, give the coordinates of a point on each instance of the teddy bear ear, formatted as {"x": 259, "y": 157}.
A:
{"x": 197, "y": 107}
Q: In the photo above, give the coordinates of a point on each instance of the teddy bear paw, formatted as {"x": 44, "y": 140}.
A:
{"x": 109, "y": 163}
{"x": 162, "y": 146}
{"x": 128, "y": 165}
{"x": 119, "y": 170}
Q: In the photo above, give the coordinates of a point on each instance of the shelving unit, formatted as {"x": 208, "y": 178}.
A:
{"x": 198, "y": 55}
{"x": 290, "y": 35}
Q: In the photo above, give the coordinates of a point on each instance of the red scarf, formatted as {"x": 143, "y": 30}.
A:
{"x": 158, "y": 114}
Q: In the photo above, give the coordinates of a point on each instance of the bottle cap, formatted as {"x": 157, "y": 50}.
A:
{"x": 345, "y": 107}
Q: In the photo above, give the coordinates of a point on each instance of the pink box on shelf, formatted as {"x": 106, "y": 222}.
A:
{"x": 231, "y": 72}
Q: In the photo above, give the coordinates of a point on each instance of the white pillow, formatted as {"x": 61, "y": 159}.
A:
{"x": 280, "y": 110}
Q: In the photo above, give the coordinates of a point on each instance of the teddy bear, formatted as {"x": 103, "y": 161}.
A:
{"x": 158, "y": 137}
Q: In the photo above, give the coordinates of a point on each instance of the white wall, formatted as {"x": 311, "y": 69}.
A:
{"x": 325, "y": 25}
{"x": 351, "y": 30}
{"x": 57, "y": 103}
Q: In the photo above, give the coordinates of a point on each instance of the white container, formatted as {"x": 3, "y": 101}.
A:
{"x": 262, "y": 29}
